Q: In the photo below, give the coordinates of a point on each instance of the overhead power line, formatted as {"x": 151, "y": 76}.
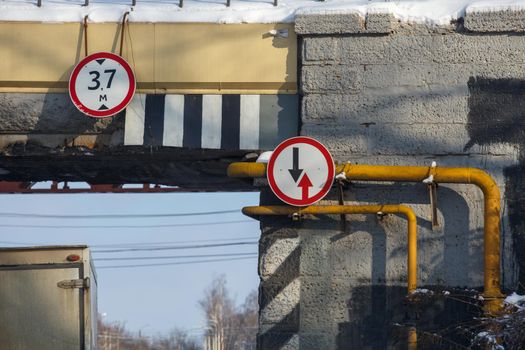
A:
{"x": 130, "y": 226}
{"x": 173, "y": 247}
{"x": 174, "y": 263}
{"x": 174, "y": 257}
{"x": 131, "y": 244}
{"x": 118, "y": 216}
{"x": 153, "y": 244}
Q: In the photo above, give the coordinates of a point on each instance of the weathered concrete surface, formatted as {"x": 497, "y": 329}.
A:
{"x": 329, "y": 23}
{"x": 495, "y": 21}
{"x": 409, "y": 96}
{"x": 350, "y": 23}
{"x": 50, "y": 113}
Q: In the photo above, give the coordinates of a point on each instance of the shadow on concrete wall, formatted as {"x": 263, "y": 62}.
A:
{"x": 457, "y": 258}
{"x": 384, "y": 317}
{"x": 372, "y": 310}
{"x": 497, "y": 115}
{"x": 378, "y": 309}
{"x": 277, "y": 335}
{"x": 375, "y": 309}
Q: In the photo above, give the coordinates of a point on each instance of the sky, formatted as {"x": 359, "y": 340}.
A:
{"x": 151, "y": 299}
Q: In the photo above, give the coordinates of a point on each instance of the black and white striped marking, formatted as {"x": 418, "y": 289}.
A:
{"x": 230, "y": 122}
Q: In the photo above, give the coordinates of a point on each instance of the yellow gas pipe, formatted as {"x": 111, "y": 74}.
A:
{"x": 492, "y": 293}
{"x": 412, "y": 338}
{"x": 354, "y": 209}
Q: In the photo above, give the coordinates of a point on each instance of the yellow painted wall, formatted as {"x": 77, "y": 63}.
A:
{"x": 166, "y": 57}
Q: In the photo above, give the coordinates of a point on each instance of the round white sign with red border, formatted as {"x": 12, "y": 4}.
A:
{"x": 102, "y": 85}
{"x": 300, "y": 171}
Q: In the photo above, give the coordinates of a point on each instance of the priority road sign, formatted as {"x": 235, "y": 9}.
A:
{"x": 300, "y": 171}
{"x": 102, "y": 84}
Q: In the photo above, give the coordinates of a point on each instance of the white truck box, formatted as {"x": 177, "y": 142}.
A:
{"x": 48, "y": 299}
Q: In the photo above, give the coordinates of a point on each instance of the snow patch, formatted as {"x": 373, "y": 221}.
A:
{"x": 430, "y": 12}
{"x": 491, "y": 5}
{"x": 264, "y": 157}
{"x": 516, "y": 299}
{"x": 490, "y": 340}
{"x": 422, "y": 291}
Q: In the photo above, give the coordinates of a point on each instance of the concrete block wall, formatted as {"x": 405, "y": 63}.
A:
{"x": 378, "y": 91}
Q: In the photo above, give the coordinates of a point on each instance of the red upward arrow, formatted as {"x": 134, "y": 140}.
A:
{"x": 305, "y": 183}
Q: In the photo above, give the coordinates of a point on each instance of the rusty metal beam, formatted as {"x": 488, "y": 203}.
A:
{"x": 27, "y": 187}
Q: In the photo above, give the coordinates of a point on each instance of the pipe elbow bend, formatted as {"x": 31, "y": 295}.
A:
{"x": 408, "y": 212}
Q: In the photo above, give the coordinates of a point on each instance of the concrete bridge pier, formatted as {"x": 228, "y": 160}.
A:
{"x": 376, "y": 90}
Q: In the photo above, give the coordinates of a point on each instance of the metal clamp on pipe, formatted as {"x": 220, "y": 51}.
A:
{"x": 491, "y": 237}
{"x": 257, "y": 211}
{"x": 432, "y": 191}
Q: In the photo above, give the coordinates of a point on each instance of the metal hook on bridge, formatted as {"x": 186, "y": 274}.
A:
{"x": 122, "y": 32}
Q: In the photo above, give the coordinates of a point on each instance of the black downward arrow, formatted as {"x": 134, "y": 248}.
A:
{"x": 295, "y": 171}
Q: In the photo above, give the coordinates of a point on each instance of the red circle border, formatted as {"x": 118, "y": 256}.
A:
{"x": 114, "y": 110}
{"x": 331, "y": 171}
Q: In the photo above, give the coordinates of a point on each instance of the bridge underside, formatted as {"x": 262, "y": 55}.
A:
{"x": 192, "y": 170}
{"x": 232, "y": 91}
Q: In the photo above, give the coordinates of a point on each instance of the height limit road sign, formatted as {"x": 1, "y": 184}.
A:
{"x": 102, "y": 84}
{"x": 300, "y": 171}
